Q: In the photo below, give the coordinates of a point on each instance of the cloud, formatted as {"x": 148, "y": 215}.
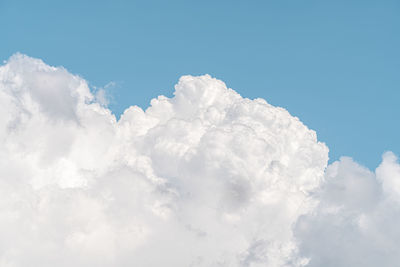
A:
{"x": 205, "y": 178}
{"x": 356, "y": 221}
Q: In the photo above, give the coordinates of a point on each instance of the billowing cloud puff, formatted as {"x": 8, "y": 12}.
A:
{"x": 205, "y": 178}
{"x": 357, "y": 220}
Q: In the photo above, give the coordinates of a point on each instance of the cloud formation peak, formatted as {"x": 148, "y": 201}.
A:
{"x": 205, "y": 178}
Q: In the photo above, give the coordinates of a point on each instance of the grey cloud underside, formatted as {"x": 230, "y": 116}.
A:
{"x": 205, "y": 178}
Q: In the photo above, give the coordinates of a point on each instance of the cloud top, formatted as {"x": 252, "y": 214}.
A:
{"x": 205, "y": 178}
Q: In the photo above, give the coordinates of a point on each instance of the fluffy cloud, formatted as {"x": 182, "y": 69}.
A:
{"x": 205, "y": 178}
{"x": 356, "y": 221}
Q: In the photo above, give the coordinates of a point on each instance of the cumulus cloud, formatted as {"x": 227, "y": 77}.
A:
{"x": 205, "y": 178}
{"x": 356, "y": 220}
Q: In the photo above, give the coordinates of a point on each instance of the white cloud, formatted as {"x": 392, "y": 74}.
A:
{"x": 206, "y": 178}
{"x": 356, "y": 221}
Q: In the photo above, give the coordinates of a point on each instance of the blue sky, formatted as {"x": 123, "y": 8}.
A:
{"x": 334, "y": 64}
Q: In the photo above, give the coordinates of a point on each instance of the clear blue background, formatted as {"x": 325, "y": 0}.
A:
{"x": 334, "y": 64}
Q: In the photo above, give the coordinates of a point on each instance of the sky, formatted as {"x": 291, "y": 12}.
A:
{"x": 202, "y": 134}
{"x": 333, "y": 64}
